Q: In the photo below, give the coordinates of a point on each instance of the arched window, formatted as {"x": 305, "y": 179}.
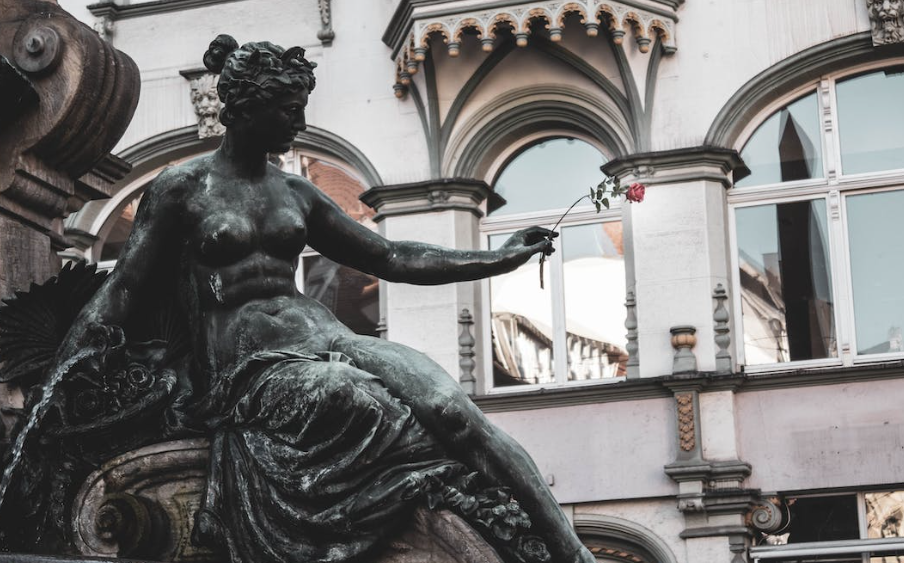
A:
{"x": 571, "y": 329}
{"x": 351, "y": 295}
{"x": 818, "y": 225}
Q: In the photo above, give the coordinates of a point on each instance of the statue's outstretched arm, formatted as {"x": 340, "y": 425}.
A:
{"x": 156, "y": 225}
{"x": 342, "y": 239}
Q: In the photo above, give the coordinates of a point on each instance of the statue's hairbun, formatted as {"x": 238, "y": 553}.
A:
{"x": 219, "y": 50}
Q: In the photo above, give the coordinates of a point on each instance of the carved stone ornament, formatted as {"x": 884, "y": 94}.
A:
{"x": 207, "y": 105}
{"x": 686, "y": 433}
{"x": 616, "y": 17}
{"x": 886, "y": 21}
{"x": 326, "y": 33}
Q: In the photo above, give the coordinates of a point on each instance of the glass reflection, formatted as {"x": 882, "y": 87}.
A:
{"x": 119, "y": 232}
{"x": 875, "y": 233}
{"x": 594, "y": 265}
{"x": 786, "y": 146}
{"x": 786, "y": 289}
{"x": 548, "y": 175}
{"x": 884, "y": 514}
{"x": 353, "y": 296}
{"x": 521, "y": 324}
{"x": 871, "y": 121}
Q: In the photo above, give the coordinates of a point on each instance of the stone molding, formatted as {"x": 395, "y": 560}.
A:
{"x": 609, "y": 528}
{"x": 416, "y": 21}
{"x": 445, "y": 194}
{"x": 708, "y": 163}
{"x": 886, "y": 20}
{"x": 661, "y": 387}
{"x": 115, "y": 11}
{"x": 789, "y": 74}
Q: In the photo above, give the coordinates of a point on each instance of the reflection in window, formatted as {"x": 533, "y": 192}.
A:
{"x": 786, "y": 146}
{"x": 875, "y": 234}
{"x": 549, "y": 175}
{"x": 885, "y": 514}
{"x": 521, "y": 324}
{"x": 786, "y": 290}
{"x": 119, "y": 232}
{"x": 351, "y": 295}
{"x": 594, "y": 313}
{"x": 871, "y": 122}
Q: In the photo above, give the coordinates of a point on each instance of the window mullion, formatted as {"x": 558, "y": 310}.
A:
{"x": 841, "y": 273}
{"x": 831, "y": 155}
{"x": 557, "y": 293}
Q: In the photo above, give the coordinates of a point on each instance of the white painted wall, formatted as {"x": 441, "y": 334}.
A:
{"x": 606, "y": 451}
{"x": 823, "y": 436}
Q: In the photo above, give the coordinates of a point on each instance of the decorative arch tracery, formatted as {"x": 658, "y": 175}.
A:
{"x": 647, "y": 26}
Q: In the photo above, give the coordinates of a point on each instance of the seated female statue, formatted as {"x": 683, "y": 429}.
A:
{"x": 228, "y": 228}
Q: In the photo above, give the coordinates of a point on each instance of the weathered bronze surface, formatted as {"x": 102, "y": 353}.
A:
{"x": 322, "y": 442}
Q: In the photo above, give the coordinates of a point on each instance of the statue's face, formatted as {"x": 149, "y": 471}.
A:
{"x": 276, "y": 124}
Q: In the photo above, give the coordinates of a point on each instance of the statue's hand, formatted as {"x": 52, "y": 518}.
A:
{"x": 532, "y": 240}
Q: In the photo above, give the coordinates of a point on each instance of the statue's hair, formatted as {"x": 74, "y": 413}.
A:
{"x": 255, "y": 73}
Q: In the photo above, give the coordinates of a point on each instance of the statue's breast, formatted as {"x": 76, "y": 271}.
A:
{"x": 225, "y": 237}
{"x": 284, "y": 233}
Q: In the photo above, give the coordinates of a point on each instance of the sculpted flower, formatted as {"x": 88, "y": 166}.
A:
{"x": 635, "y": 193}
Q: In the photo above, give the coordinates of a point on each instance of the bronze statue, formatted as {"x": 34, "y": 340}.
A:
{"x": 318, "y": 435}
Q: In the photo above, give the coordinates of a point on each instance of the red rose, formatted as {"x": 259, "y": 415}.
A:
{"x": 635, "y": 193}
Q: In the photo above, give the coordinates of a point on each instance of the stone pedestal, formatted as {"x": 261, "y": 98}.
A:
{"x": 443, "y": 212}
{"x": 142, "y": 504}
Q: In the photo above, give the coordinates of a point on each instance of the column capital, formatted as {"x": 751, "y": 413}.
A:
{"x": 678, "y": 166}
{"x": 460, "y": 194}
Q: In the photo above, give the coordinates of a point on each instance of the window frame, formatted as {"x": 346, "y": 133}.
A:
{"x": 862, "y": 546}
{"x": 582, "y": 214}
{"x": 835, "y": 187}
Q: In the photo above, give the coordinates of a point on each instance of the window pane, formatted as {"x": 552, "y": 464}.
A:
{"x": 885, "y": 514}
{"x": 594, "y": 300}
{"x": 875, "y": 233}
{"x": 521, "y": 324}
{"x": 549, "y": 175}
{"x": 826, "y": 518}
{"x": 786, "y": 288}
{"x": 871, "y": 122}
{"x": 786, "y": 146}
{"x": 353, "y": 296}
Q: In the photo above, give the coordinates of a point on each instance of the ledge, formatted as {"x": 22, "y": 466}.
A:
{"x": 662, "y": 387}
{"x": 681, "y": 165}
{"x": 462, "y": 194}
{"x": 116, "y": 11}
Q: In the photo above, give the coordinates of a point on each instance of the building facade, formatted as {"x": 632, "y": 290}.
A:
{"x": 712, "y": 375}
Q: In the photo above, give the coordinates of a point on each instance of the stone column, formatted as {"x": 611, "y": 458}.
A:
{"x": 678, "y": 242}
{"x": 445, "y": 212}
